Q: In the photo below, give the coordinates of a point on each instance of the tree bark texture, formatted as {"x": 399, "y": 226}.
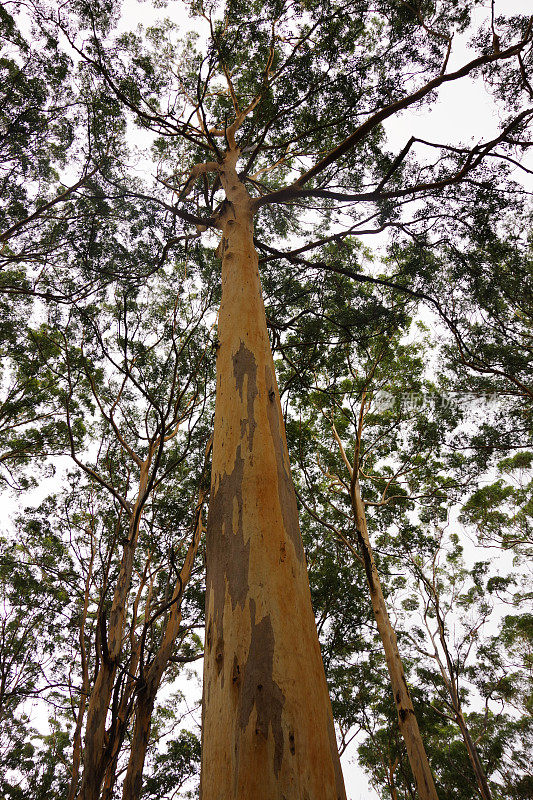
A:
{"x": 268, "y": 729}
{"x": 407, "y": 722}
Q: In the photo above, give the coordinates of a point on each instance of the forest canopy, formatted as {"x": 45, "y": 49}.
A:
{"x": 265, "y": 377}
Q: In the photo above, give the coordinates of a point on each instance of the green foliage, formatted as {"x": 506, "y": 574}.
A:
{"x": 173, "y": 767}
{"x": 107, "y": 311}
{"x": 37, "y": 129}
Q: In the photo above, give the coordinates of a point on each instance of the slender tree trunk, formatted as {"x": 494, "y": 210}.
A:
{"x": 450, "y": 679}
{"x": 392, "y": 785}
{"x": 268, "y": 729}
{"x": 76, "y": 742}
{"x": 148, "y": 692}
{"x": 123, "y": 716}
{"x": 97, "y": 753}
{"x": 96, "y": 745}
{"x": 406, "y": 714}
{"x": 479, "y": 772}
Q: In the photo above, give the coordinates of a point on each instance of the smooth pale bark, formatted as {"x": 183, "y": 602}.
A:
{"x": 407, "y": 722}
{"x": 267, "y": 724}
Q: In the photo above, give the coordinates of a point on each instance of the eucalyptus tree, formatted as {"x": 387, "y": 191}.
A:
{"x": 368, "y": 407}
{"x": 59, "y": 244}
{"x": 457, "y": 661}
{"x": 280, "y": 115}
{"x": 367, "y": 456}
{"x": 73, "y": 264}
{"x": 143, "y": 366}
{"x": 155, "y": 640}
{"x": 129, "y": 376}
{"x": 66, "y": 555}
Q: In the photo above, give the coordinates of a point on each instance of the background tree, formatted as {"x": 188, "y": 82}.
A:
{"x": 279, "y": 119}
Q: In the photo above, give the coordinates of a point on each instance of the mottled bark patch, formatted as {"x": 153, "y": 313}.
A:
{"x": 367, "y": 559}
{"x": 244, "y": 365}
{"x": 286, "y": 495}
{"x": 404, "y": 713}
{"x": 228, "y": 555}
{"x": 259, "y": 688}
{"x": 219, "y": 655}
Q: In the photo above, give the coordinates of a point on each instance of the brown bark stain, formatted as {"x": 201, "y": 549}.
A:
{"x": 244, "y": 366}
{"x": 286, "y": 495}
{"x": 225, "y": 541}
{"x": 265, "y": 728}
{"x": 236, "y": 672}
{"x": 367, "y": 558}
{"x": 259, "y": 688}
{"x": 219, "y": 657}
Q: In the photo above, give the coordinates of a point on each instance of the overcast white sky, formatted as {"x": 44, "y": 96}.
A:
{"x": 462, "y": 112}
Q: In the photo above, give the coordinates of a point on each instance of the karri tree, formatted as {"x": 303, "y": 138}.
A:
{"x": 366, "y": 457}
{"x": 364, "y": 404}
{"x": 273, "y": 128}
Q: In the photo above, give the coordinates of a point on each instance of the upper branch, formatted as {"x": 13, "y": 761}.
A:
{"x": 295, "y": 189}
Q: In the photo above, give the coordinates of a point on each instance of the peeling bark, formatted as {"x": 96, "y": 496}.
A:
{"x": 267, "y": 723}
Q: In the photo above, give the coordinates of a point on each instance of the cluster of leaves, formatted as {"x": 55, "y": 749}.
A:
{"x": 107, "y": 301}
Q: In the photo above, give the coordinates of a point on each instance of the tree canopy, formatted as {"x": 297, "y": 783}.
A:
{"x": 397, "y": 284}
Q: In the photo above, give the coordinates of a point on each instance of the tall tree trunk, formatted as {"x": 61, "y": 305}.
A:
{"x": 267, "y": 724}
{"x": 407, "y": 722}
